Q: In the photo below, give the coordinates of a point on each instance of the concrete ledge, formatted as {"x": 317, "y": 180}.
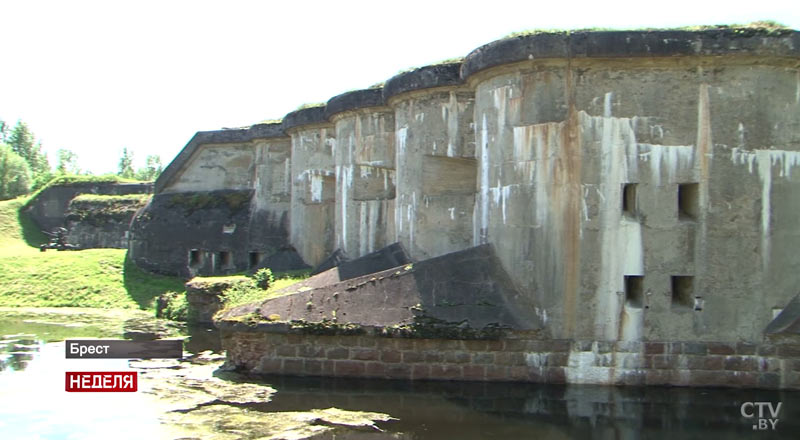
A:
{"x": 633, "y": 44}
{"x": 427, "y": 77}
{"x": 354, "y": 100}
{"x": 306, "y": 116}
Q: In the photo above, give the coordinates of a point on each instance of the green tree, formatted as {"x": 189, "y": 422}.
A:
{"x": 23, "y": 142}
{"x": 67, "y": 162}
{"x": 15, "y": 174}
{"x": 126, "y": 164}
{"x": 3, "y": 131}
{"x": 152, "y": 168}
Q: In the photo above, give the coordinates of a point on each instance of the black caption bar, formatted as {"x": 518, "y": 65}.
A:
{"x": 124, "y": 349}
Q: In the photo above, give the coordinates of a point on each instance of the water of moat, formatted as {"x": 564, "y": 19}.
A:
{"x": 195, "y": 398}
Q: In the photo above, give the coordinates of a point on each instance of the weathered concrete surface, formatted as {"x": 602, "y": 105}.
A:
{"x": 559, "y": 135}
{"x": 313, "y": 183}
{"x": 385, "y": 258}
{"x": 205, "y": 233}
{"x": 222, "y": 205}
{"x": 468, "y": 289}
{"x": 191, "y": 155}
{"x": 49, "y": 208}
{"x": 272, "y": 187}
{"x": 436, "y": 167}
{"x": 102, "y": 221}
{"x": 389, "y": 257}
{"x": 365, "y": 171}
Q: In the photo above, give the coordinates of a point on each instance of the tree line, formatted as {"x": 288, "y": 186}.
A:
{"x": 25, "y": 167}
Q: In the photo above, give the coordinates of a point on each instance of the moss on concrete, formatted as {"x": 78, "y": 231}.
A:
{"x": 764, "y": 27}
{"x": 326, "y": 327}
{"x": 235, "y": 201}
{"x": 425, "y": 327}
{"x": 75, "y": 180}
{"x": 98, "y": 209}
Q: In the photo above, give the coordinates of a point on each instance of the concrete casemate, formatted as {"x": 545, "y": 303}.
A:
{"x": 634, "y": 185}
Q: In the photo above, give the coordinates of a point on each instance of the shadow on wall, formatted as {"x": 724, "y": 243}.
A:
{"x": 144, "y": 287}
{"x": 31, "y": 233}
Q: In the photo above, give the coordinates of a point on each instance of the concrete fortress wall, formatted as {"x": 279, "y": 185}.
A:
{"x": 635, "y": 185}
{"x": 313, "y": 183}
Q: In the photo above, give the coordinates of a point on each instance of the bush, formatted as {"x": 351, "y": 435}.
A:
{"x": 263, "y": 278}
{"x": 172, "y": 305}
{"x": 242, "y": 292}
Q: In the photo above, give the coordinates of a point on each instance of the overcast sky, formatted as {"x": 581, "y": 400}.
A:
{"x": 94, "y": 77}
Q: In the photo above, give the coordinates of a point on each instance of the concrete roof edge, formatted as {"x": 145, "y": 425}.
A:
{"x": 305, "y": 116}
{"x": 436, "y": 75}
{"x": 354, "y": 100}
{"x": 632, "y": 44}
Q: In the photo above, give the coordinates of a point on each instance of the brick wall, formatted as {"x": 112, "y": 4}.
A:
{"x": 524, "y": 360}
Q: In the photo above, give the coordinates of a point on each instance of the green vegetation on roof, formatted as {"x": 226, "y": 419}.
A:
{"x": 310, "y": 105}
{"x": 269, "y": 121}
{"x": 453, "y": 60}
{"x": 768, "y": 27}
{"x": 68, "y": 179}
{"x": 73, "y": 180}
{"x": 101, "y": 199}
{"x": 100, "y": 209}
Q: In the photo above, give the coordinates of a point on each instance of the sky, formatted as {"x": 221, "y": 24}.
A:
{"x": 96, "y": 76}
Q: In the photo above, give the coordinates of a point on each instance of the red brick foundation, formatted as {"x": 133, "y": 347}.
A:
{"x": 746, "y": 365}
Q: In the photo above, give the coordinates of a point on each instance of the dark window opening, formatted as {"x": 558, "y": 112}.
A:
{"x": 629, "y": 198}
{"x": 225, "y": 259}
{"x": 195, "y": 258}
{"x": 255, "y": 258}
{"x": 634, "y": 291}
{"x": 688, "y": 201}
{"x": 683, "y": 292}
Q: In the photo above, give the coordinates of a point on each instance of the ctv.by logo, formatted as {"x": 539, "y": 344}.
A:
{"x": 749, "y": 410}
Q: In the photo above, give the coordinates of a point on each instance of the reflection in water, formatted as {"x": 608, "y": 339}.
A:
{"x": 16, "y": 351}
{"x": 202, "y": 339}
{"x": 440, "y": 410}
{"x": 33, "y": 401}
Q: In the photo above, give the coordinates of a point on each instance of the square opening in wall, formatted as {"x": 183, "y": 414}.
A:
{"x": 255, "y": 258}
{"x": 225, "y": 259}
{"x": 688, "y": 201}
{"x": 195, "y": 258}
{"x": 629, "y": 198}
{"x": 634, "y": 291}
{"x": 683, "y": 292}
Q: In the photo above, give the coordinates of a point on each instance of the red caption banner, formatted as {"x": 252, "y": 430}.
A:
{"x": 103, "y": 382}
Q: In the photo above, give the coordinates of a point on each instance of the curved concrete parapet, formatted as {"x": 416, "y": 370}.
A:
{"x": 633, "y": 44}
{"x": 354, "y": 100}
{"x": 313, "y": 182}
{"x": 365, "y": 170}
{"x": 620, "y": 171}
{"x": 304, "y": 116}
{"x": 427, "y": 77}
{"x": 436, "y": 167}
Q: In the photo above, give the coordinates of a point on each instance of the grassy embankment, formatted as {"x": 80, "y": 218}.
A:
{"x": 98, "y": 278}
